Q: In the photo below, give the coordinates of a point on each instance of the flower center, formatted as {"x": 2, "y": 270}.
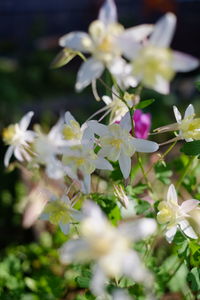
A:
{"x": 9, "y": 134}
{"x": 116, "y": 143}
{"x": 59, "y": 212}
{"x": 190, "y": 128}
{"x": 151, "y": 62}
{"x": 72, "y": 131}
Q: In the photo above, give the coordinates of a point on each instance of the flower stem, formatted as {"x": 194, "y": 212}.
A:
{"x": 184, "y": 173}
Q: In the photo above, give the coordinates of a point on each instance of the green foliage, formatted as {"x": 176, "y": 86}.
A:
{"x": 144, "y": 104}
{"x": 194, "y": 279}
{"x": 163, "y": 173}
{"x": 191, "y": 148}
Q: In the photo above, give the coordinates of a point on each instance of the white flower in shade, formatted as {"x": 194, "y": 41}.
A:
{"x": 19, "y": 138}
{"x": 117, "y": 144}
{"x": 101, "y": 43}
{"x": 107, "y": 246}
{"x": 61, "y": 212}
{"x": 80, "y": 162}
{"x": 188, "y": 127}
{"x": 47, "y": 147}
{"x": 154, "y": 64}
{"x": 175, "y": 216}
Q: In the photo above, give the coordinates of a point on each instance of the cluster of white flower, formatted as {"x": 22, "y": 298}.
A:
{"x": 135, "y": 57}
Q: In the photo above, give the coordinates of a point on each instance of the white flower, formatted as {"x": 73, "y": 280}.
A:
{"x": 80, "y": 162}
{"x": 153, "y": 63}
{"x": 61, "y": 212}
{"x": 108, "y": 246}
{"x": 101, "y": 43}
{"x": 47, "y": 147}
{"x": 18, "y": 138}
{"x": 76, "y": 134}
{"x": 174, "y": 215}
{"x": 189, "y": 126}
{"x": 117, "y": 144}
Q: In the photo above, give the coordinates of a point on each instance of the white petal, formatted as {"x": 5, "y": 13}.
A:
{"x": 144, "y": 146}
{"x": 74, "y": 40}
{"x": 68, "y": 118}
{"x": 88, "y": 137}
{"x": 138, "y": 33}
{"x": 125, "y": 122}
{"x": 108, "y": 12}
{"x": 172, "y": 195}
{"x": 86, "y": 183}
{"x": 184, "y": 62}
{"x": 25, "y": 121}
{"x": 65, "y": 228}
{"x": 189, "y": 205}
{"x": 102, "y": 164}
{"x": 98, "y": 281}
{"x": 18, "y": 154}
{"x": 143, "y": 228}
{"x": 187, "y": 229}
{"x": 164, "y": 31}
{"x": 89, "y": 70}
{"x": 177, "y": 114}
{"x": 125, "y": 165}
{"x": 129, "y": 46}
{"x": 97, "y": 128}
{"x": 171, "y": 233}
{"x": 161, "y": 85}
{"x": 189, "y": 111}
{"x": 71, "y": 250}
{"x": 56, "y": 130}
{"x": 8, "y": 155}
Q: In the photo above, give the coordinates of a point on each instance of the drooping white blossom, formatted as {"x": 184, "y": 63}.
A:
{"x": 188, "y": 126}
{"x": 101, "y": 42}
{"x": 175, "y": 216}
{"x": 19, "y": 138}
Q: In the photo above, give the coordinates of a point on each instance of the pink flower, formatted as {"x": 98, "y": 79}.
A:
{"x": 142, "y": 124}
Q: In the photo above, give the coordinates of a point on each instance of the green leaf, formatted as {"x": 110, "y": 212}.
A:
{"x": 83, "y": 282}
{"x": 197, "y": 84}
{"x": 63, "y": 58}
{"x": 144, "y": 104}
{"x": 194, "y": 278}
{"x": 191, "y": 148}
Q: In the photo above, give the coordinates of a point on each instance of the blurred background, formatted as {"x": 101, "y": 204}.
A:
{"x": 29, "y": 33}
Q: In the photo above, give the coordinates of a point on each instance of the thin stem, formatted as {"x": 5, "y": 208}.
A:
{"x": 143, "y": 172}
{"x": 184, "y": 173}
{"x": 162, "y": 157}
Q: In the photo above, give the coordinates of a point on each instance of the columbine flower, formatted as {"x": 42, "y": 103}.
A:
{"x": 108, "y": 246}
{"x": 101, "y": 43}
{"x": 47, "y": 147}
{"x": 175, "y": 216}
{"x": 117, "y": 144}
{"x": 153, "y": 63}
{"x": 189, "y": 127}
{"x": 61, "y": 212}
{"x": 80, "y": 161}
{"x": 18, "y": 138}
{"x": 76, "y": 134}
{"x": 142, "y": 124}
{"x": 121, "y": 195}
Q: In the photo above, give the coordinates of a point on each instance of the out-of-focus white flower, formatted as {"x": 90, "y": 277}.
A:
{"x": 117, "y": 144}
{"x": 175, "y": 216}
{"x": 47, "y": 147}
{"x": 107, "y": 246}
{"x": 189, "y": 126}
{"x": 101, "y": 43}
{"x": 18, "y": 138}
{"x": 154, "y": 64}
{"x": 80, "y": 161}
{"x": 61, "y": 212}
